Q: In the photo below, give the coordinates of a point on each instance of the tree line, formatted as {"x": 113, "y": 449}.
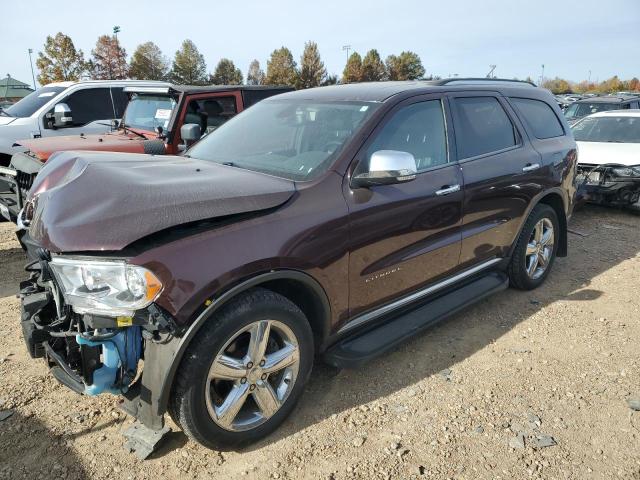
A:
{"x": 611, "y": 85}
{"x": 60, "y": 60}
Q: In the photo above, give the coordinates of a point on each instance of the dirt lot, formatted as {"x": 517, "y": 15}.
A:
{"x": 523, "y": 385}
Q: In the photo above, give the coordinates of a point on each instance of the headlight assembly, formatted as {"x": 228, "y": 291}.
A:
{"x": 112, "y": 288}
{"x": 626, "y": 171}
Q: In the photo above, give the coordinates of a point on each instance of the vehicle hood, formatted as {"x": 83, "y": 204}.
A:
{"x": 86, "y": 201}
{"x": 598, "y": 153}
{"x": 109, "y": 142}
{"x": 6, "y": 120}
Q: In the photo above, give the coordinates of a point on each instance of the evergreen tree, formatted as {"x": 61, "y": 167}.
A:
{"x": 60, "y": 60}
{"x": 148, "y": 63}
{"x": 281, "y": 68}
{"x": 189, "y": 67}
{"x": 353, "y": 69}
{"x": 226, "y": 73}
{"x": 312, "y": 71}
{"x": 255, "y": 75}
{"x": 109, "y": 60}
{"x": 373, "y": 70}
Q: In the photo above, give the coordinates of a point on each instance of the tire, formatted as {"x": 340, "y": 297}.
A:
{"x": 196, "y": 403}
{"x": 519, "y": 276}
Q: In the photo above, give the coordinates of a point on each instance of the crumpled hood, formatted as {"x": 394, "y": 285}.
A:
{"x": 598, "y": 153}
{"x": 108, "y": 142}
{"x": 86, "y": 201}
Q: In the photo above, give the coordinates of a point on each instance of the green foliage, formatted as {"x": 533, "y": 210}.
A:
{"x": 255, "y": 75}
{"x": 373, "y": 70}
{"x": 148, "y": 63}
{"x": 60, "y": 60}
{"x": 226, "y": 73}
{"x": 109, "y": 60}
{"x": 312, "y": 72}
{"x": 281, "y": 68}
{"x": 189, "y": 67}
{"x": 330, "y": 80}
{"x": 406, "y": 66}
{"x": 353, "y": 69}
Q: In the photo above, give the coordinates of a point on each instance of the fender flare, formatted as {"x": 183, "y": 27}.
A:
{"x": 166, "y": 361}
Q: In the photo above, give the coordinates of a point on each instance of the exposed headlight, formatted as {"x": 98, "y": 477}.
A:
{"x": 112, "y": 288}
{"x": 626, "y": 171}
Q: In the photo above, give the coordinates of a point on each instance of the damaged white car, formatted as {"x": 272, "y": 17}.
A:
{"x": 609, "y": 158}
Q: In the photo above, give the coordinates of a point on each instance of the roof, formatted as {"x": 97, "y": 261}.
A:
{"x": 13, "y": 88}
{"x": 218, "y": 88}
{"x": 381, "y": 91}
{"x": 70, "y": 83}
{"x": 609, "y": 99}
{"x": 634, "y": 112}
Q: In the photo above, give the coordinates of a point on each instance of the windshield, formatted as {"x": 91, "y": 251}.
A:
{"x": 608, "y": 129}
{"x": 32, "y": 102}
{"x": 584, "y": 109}
{"x": 297, "y": 140}
{"x": 147, "y": 112}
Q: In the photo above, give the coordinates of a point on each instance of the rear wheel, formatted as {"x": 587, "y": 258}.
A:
{"x": 536, "y": 249}
{"x": 244, "y": 372}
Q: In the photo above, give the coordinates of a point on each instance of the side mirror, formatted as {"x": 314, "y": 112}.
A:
{"x": 190, "y": 132}
{"x": 387, "y": 167}
{"x": 62, "y": 115}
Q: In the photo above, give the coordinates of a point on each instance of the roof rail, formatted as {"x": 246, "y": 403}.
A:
{"x": 480, "y": 80}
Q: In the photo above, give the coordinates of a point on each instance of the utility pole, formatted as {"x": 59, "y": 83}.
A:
{"x": 116, "y": 30}
{"x": 33, "y": 76}
{"x": 346, "y": 48}
{"x": 542, "y": 76}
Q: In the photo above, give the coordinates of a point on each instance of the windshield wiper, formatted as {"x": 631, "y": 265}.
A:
{"x": 127, "y": 128}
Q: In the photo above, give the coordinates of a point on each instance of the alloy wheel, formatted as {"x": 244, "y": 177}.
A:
{"x": 252, "y": 375}
{"x": 539, "y": 248}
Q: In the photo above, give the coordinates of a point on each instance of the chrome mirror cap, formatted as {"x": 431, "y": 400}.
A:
{"x": 387, "y": 167}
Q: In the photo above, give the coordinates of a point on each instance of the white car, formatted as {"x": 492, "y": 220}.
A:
{"x": 64, "y": 108}
{"x": 609, "y": 157}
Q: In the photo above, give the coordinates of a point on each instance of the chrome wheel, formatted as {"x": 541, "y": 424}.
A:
{"x": 252, "y": 375}
{"x": 539, "y": 249}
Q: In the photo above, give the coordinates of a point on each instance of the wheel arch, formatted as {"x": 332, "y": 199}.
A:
{"x": 299, "y": 287}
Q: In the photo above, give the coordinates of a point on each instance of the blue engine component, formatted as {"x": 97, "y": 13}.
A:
{"x": 123, "y": 349}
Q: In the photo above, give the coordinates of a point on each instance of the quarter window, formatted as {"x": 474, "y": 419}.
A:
{"x": 539, "y": 117}
{"x": 418, "y": 129}
{"x": 482, "y": 126}
{"x": 89, "y": 105}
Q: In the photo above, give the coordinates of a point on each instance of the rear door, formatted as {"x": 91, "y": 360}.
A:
{"x": 501, "y": 173}
{"x": 405, "y": 236}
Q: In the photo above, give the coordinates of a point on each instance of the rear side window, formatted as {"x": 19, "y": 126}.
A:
{"x": 539, "y": 117}
{"x": 89, "y": 105}
{"x": 482, "y": 126}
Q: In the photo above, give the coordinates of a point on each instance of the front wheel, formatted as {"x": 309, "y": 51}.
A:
{"x": 536, "y": 249}
{"x": 244, "y": 371}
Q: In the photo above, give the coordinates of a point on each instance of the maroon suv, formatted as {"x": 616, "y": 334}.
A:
{"x": 333, "y": 222}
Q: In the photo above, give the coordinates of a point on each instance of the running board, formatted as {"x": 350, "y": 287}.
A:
{"x": 354, "y": 351}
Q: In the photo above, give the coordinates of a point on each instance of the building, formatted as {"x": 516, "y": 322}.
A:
{"x": 12, "y": 90}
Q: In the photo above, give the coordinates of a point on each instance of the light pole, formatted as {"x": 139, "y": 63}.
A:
{"x": 33, "y": 76}
{"x": 589, "y": 81}
{"x": 346, "y": 48}
{"x": 542, "y": 75}
{"x": 116, "y": 30}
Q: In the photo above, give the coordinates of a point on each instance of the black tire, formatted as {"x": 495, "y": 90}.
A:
{"x": 187, "y": 405}
{"x": 518, "y": 276}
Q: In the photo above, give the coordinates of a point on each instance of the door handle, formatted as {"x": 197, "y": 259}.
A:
{"x": 446, "y": 190}
{"x": 530, "y": 167}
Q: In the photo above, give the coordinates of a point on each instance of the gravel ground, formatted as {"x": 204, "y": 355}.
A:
{"x": 523, "y": 385}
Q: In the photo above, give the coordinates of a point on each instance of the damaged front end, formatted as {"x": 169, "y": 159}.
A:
{"x": 609, "y": 184}
{"x": 95, "y": 324}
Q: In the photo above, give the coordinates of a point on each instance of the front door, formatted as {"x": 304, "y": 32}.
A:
{"x": 405, "y": 236}
{"x": 92, "y": 111}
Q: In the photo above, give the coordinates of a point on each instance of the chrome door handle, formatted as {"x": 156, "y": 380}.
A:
{"x": 448, "y": 190}
{"x": 531, "y": 167}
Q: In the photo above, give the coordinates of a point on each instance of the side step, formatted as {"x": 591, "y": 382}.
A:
{"x": 354, "y": 351}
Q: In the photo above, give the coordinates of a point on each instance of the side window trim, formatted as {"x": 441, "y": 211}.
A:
{"x": 388, "y": 116}
{"x": 515, "y": 122}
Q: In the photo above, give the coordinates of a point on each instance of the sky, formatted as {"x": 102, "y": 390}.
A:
{"x": 464, "y": 37}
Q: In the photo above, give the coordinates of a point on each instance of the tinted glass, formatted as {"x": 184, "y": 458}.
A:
{"x": 32, "y": 102}
{"x": 482, "y": 126}
{"x": 418, "y": 129}
{"x": 584, "y": 109}
{"x": 147, "y": 112}
{"x": 539, "y": 116}
{"x": 120, "y": 100}
{"x": 608, "y": 129}
{"x": 210, "y": 113}
{"x": 89, "y": 105}
{"x": 293, "y": 139}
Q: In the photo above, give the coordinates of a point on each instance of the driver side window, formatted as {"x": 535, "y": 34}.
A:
{"x": 418, "y": 129}
{"x": 89, "y": 105}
